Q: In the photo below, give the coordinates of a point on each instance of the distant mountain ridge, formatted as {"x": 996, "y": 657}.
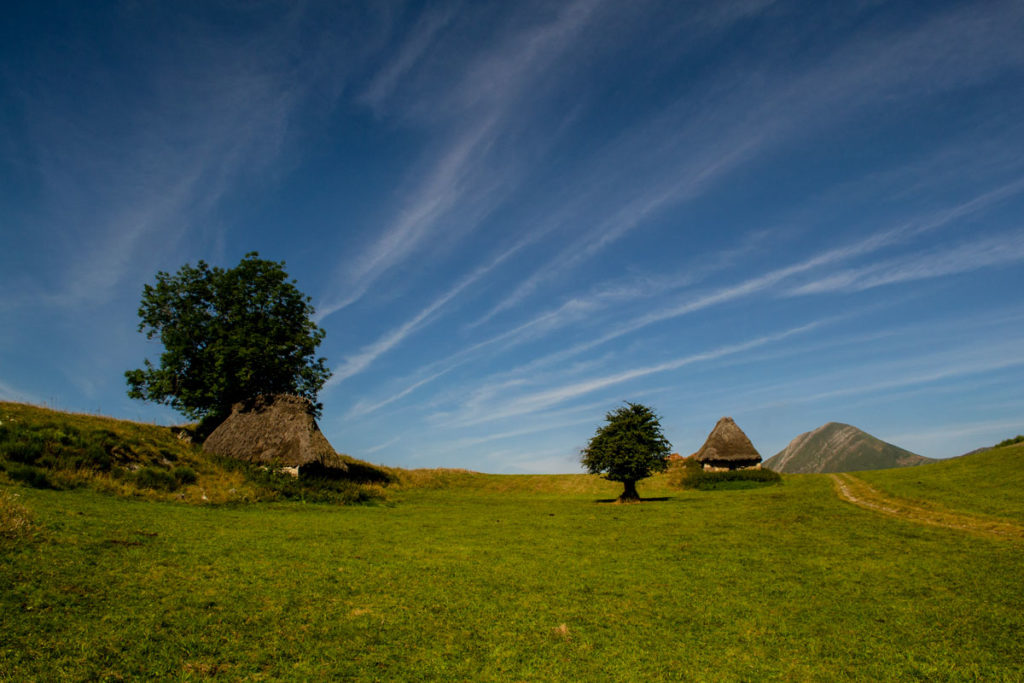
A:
{"x": 838, "y": 447}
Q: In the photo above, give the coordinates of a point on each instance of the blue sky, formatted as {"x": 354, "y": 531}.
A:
{"x": 511, "y": 217}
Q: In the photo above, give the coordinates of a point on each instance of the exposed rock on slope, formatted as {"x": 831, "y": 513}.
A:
{"x": 837, "y": 447}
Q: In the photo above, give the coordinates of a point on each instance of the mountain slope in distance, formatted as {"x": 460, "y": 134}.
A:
{"x": 837, "y": 447}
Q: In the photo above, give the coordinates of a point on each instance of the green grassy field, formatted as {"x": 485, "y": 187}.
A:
{"x": 988, "y": 483}
{"x": 460, "y": 576}
{"x": 507, "y": 582}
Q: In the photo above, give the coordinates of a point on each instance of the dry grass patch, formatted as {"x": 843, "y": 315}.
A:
{"x": 15, "y": 519}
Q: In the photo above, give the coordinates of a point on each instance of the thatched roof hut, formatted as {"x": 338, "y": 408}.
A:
{"x": 274, "y": 430}
{"x": 728, "y": 448}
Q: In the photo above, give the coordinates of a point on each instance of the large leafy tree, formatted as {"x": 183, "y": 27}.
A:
{"x": 229, "y": 335}
{"x": 629, "y": 447}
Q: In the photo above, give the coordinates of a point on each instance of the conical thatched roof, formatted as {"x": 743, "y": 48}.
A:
{"x": 273, "y": 430}
{"x": 727, "y": 444}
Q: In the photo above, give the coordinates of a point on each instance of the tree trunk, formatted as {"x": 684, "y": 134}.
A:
{"x": 629, "y": 495}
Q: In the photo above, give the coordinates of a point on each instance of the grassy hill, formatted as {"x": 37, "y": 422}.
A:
{"x": 51, "y": 449}
{"x": 989, "y": 482}
{"x": 837, "y": 447}
{"x": 467, "y": 576}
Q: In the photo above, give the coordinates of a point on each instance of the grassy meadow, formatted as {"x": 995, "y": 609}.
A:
{"x": 989, "y": 483}
{"x": 451, "y": 575}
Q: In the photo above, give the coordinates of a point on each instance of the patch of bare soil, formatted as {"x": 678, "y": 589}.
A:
{"x": 856, "y": 491}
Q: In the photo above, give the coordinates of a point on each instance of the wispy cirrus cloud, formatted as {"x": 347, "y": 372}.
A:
{"x": 542, "y": 400}
{"x": 571, "y": 312}
{"x": 482, "y": 112}
{"x": 362, "y": 360}
{"x": 435, "y": 198}
{"x": 423, "y": 36}
{"x": 467, "y": 177}
{"x": 955, "y": 431}
{"x": 382, "y": 446}
{"x": 989, "y": 252}
{"x": 760, "y": 112}
{"x": 577, "y": 310}
{"x": 536, "y": 429}
{"x": 936, "y": 368}
{"x": 364, "y": 407}
{"x": 129, "y": 162}
{"x": 888, "y": 371}
{"x": 976, "y": 256}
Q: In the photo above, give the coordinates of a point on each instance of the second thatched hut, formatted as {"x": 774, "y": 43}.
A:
{"x": 728, "y": 448}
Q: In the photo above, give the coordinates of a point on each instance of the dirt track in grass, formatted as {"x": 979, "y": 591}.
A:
{"x": 856, "y": 491}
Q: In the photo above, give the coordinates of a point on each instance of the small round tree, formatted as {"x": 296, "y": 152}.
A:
{"x": 628, "y": 448}
{"x": 229, "y": 335}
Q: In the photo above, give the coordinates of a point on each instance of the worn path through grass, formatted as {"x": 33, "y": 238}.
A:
{"x": 856, "y": 491}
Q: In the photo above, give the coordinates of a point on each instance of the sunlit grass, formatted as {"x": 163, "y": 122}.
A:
{"x": 468, "y": 576}
{"x": 987, "y": 483}
{"x": 509, "y": 578}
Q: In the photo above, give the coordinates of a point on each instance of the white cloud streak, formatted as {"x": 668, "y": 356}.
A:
{"x": 465, "y": 176}
{"x": 957, "y": 431}
{"x": 359, "y": 362}
{"x": 950, "y": 371}
{"x": 743, "y": 121}
{"x": 990, "y": 252}
{"x": 542, "y": 400}
{"x": 363, "y": 407}
{"x": 573, "y": 311}
{"x": 985, "y": 254}
{"x": 444, "y": 189}
{"x": 387, "y": 80}
{"x": 380, "y": 447}
{"x": 129, "y": 169}
{"x": 537, "y": 429}
{"x": 579, "y": 308}
{"x": 903, "y": 372}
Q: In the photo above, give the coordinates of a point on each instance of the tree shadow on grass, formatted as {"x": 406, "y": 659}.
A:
{"x": 616, "y": 501}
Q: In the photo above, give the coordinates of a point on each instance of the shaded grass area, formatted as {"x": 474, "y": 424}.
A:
{"x": 49, "y": 449}
{"x": 987, "y": 483}
{"x": 498, "y": 581}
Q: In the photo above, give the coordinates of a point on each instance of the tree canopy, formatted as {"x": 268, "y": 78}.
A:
{"x": 629, "y": 447}
{"x": 229, "y": 335}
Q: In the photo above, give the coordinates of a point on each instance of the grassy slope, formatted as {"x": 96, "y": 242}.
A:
{"x": 49, "y": 448}
{"x": 988, "y": 483}
{"x": 476, "y": 582}
{"x": 492, "y": 577}
{"x": 65, "y": 449}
